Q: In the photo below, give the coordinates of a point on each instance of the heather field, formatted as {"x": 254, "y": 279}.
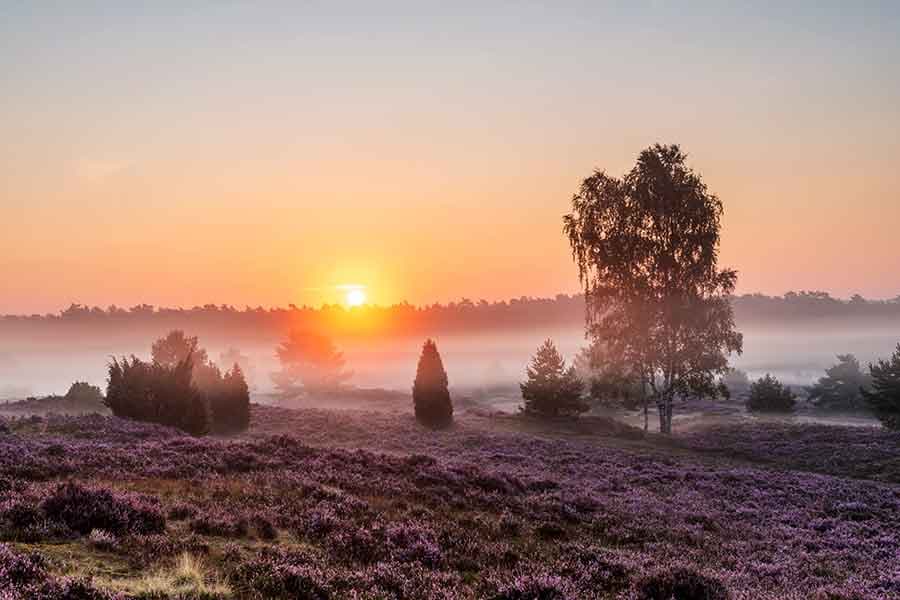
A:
{"x": 346, "y": 504}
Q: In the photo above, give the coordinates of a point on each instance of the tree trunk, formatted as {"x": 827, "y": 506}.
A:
{"x": 668, "y": 416}
{"x": 661, "y": 408}
{"x": 665, "y": 415}
{"x": 644, "y": 399}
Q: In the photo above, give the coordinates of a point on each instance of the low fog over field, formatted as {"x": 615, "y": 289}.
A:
{"x": 39, "y": 358}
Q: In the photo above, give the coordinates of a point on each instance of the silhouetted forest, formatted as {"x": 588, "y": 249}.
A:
{"x": 465, "y": 316}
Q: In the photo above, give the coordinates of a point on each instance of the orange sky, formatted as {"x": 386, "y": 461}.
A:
{"x": 142, "y": 159}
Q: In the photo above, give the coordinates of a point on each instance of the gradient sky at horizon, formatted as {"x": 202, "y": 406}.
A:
{"x": 264, "y": 153}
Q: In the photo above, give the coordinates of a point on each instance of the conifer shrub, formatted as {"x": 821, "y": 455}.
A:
{"x": 229, "y": 401}
{"x": 767, "y": 394}
{"x": 552, "y": 390}
{"x": 158, "y": 394}
{"x": 431, "y": 396}
{"x": 884, "y": 397}
{"x": 179, "y": 388}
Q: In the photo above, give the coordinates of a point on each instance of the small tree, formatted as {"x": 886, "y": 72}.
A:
{"x": 431, "y": 396}
{"x": 767, "y": 394}
{"x": 552, "y": 389}
{"x": 841, "y": 388}
{"x": 884, "y": 397}
{"x": 309, "y": 362}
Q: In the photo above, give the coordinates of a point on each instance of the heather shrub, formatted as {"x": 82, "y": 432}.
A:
{"x": 767, "y": 394}
{"x": 431, "y": 397}
{"x": 273, "y": 573}
{"x": 530, "y": 587}
{"x": 102, "y": 539}
{"x": 84, "y": 509}
{"x": 680, "y": 584}
{"x": 551, "y": 389}
{"x": 25, "y": 577}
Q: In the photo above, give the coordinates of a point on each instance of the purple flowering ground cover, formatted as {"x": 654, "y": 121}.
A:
{"x": 341, "y": 504}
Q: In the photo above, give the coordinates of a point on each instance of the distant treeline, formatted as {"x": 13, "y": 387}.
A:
{"x": 465, "y": 316}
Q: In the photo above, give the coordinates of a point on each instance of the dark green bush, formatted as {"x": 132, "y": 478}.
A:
{"x": 551, "y": 389}
{"x": 431, "y": 397}
{"x": 767, "y": 394}
{"x": 884, "y": 397}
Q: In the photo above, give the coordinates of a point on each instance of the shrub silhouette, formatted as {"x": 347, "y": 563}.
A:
{"x": 229, "y": 402}
{"x": 431, "y": 398}
{"x": 884, "y": 397}
{"x": 175, "y": 390}
{"x": 767, "y": 394}
{"x": 156, "y": 393}
{"x": 551, "y": 389}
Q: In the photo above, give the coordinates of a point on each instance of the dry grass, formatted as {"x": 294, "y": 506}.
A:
{"x": 187, "y": 578}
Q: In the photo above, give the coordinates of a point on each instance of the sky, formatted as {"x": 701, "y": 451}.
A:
{"x": 182, "y": 153}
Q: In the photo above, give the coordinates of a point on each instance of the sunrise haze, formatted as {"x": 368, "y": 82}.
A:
{"x": 268, "y": 154}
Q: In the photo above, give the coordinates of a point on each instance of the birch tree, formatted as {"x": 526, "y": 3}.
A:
{"x": 647, "y": 247}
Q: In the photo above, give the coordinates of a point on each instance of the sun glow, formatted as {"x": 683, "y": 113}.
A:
{"x": 355, "y": 297}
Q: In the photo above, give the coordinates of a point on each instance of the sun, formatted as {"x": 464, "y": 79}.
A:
{"x": 355, "y": 297}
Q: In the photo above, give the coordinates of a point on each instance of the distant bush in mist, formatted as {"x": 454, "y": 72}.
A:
{"x": 841, "y": 387}
{"x": 767, "y": 394}
{"x": 309, "y": 363}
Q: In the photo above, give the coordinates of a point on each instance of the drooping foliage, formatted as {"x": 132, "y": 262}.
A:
{"x": 767, "y": 394}
{"x": 158, "y": 394}
{"x": 431, "y": 396}
{"x": 647, "y": 249}
{"x": 551, "y": 389}
{"x": 310, "y": 363}
{"x": 841, "y": 388}
{"x": 884, "y": 397}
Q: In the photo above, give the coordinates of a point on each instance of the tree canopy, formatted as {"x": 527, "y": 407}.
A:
{"x": 646, "y": 247}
